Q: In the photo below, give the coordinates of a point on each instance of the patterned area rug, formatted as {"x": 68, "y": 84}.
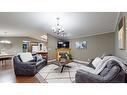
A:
{"x": 51, "y": 73}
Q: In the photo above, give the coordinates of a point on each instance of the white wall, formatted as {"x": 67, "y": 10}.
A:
{"x": 96, "y": 46}
{"x": 16, "y": 45}
{"x": 52, "y": 45}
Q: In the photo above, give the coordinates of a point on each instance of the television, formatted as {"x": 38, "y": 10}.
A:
{"x": 63, "y": 44}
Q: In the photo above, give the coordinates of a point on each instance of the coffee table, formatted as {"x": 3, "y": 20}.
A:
{"x": 62, "y": 64}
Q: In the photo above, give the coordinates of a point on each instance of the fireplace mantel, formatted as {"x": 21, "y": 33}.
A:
{"x": 58, "y": 50}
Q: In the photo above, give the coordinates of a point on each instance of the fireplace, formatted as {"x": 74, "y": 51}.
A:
{"x": 60, "y": 51}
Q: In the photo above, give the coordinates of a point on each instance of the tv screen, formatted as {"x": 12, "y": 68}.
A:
{"x": 63, "y": 44}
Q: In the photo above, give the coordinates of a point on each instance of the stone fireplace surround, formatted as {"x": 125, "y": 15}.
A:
{"x": 59, "y": 51}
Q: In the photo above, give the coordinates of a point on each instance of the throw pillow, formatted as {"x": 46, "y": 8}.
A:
{"x": 104, "y": 72}
{"x": 96, "y": 62}
{"x": 90, "y": 64}
{"x": 34, "y": 58}
{"x": 111, "y": 63}
{"x": 25, "y": 57}
{"x": 39, "y": 57}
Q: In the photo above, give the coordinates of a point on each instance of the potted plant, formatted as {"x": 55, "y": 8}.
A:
{"x": 66, "y": 57}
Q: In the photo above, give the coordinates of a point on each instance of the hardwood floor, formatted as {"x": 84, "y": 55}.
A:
{"x": 7, "y": 75}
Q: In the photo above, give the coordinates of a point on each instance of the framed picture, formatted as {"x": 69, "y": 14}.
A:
{"x": 122, "y": 34}
{"x": 81, "y": 45}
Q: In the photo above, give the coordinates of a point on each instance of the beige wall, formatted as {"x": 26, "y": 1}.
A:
{"x": 120, "y": 53}
{"x": 16, "y": 45}
{"x": 96, "y": 46}
{"x": 52, "y": 45}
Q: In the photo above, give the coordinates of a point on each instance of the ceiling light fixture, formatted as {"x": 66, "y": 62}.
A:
{"x": 5, "y": 41}
{"x": 58, "y": 30}
{"x": 44, "y": 37}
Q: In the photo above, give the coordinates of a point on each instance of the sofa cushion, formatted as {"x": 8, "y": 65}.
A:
{"x": 39, "y": 57}
{"x": 113, "y": 72}
{"x": 96, "y": 62}
{"x": 108, "y": 67}
{"x": 111, "y": 63}
{"x": 25, "y": 57}
{"x": 104, "y": 72}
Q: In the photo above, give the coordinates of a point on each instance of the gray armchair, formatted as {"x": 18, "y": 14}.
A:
{"x": 27, "y": 68}
{"x": 112, "y": 73}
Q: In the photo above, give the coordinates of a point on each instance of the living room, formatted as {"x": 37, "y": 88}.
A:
{"x": 66, "y": 47}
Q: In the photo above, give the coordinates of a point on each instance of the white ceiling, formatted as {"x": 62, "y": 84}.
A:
{"x": 75, "y": 24}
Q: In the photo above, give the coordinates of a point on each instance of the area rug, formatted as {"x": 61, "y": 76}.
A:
{"x": 51, "y": 73}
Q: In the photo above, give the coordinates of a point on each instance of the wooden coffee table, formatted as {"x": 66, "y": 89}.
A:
{"x": 62, "y": 64}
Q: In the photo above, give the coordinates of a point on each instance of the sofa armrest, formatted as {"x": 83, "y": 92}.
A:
{"x": 45, "y": 59}
{"x": 25, "y": 69}
{"x": 115, "y": 70}
{"x": 87, "y": 77}
{"x": 27, "y": 65}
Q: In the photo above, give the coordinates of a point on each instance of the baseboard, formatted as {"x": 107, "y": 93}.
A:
{"x": 52, "y": 60}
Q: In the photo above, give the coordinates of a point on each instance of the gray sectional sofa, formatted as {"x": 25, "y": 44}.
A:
{"x": 27, "y": 68}
{"x": 112, "y": 73}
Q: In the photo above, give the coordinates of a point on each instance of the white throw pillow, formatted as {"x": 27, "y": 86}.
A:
{"x": 96, "y": 62}
{"x": 25, "y": 57}
{"x": 106, "y": 57}
{"x": 39, "y": 57}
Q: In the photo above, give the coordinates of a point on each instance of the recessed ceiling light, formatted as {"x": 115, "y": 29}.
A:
{"x": 44, "y": 37}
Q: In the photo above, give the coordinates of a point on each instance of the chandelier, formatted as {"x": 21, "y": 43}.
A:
{"x": 5, "y": 41}
{"x": 58, "y": 29}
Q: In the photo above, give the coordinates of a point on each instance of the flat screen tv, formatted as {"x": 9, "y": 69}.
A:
{"x": 63, "y": 44}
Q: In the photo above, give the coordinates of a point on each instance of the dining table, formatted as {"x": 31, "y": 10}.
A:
{"x": 4, "y": 58}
